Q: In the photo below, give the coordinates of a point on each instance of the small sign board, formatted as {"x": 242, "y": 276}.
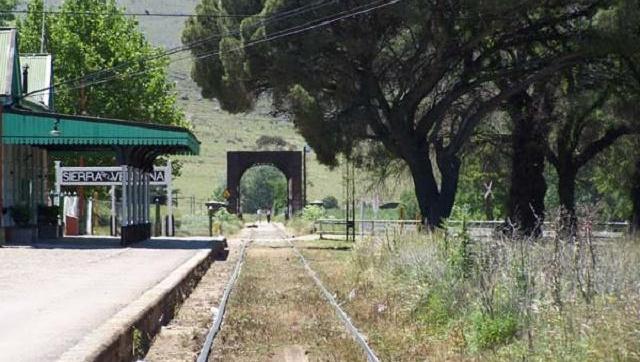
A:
{"x": 226, "y": 194}
{"x": 105, "y": 176}
{"x": 159, "y": 200}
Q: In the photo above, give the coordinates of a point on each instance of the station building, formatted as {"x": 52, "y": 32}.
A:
{"x": 30, "y": 129}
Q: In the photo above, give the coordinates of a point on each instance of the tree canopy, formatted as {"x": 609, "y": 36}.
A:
{"x": 6, "y": 5}
{"x": 414, "y": 76}
{"x": 136, "y": 86}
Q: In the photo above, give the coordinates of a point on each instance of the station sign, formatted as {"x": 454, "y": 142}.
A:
{"x": 106, "y": 176}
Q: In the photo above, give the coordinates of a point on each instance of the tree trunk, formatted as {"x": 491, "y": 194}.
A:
{"x": 435, "y": 205}
{"x": 635, "y": 198}
{"x": 528, "y": 186}
{"x": 567, "y": 195}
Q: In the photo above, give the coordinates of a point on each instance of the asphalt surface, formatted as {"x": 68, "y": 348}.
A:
{"x": 52, "y": 295}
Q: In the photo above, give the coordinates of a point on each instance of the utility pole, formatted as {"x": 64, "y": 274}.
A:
{"x": 42, "y": 29}
{"x": 350, "y": 199}
{"x": 304, "y": 175}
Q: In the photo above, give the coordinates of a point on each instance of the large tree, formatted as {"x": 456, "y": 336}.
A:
{"x": 82, "y": 45}
{"x": 416, "y": 76}
{"x": 529, "y": 129}
{"x": 584, "y": 126}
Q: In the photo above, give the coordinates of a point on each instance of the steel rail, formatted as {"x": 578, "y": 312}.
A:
{"x": 217, "y": 323}
{"x": 371, "y": 356}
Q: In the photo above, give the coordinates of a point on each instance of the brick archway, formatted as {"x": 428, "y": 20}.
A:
{"x": 288, "y": 162}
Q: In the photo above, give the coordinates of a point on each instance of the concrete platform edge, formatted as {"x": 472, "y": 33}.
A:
{"x": 128, "y": 334}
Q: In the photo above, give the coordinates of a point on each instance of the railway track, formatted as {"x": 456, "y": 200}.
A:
{"x": 279, "y": 235}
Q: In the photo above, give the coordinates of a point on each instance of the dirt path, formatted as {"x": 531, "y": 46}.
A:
{"x": 276, "y": 313}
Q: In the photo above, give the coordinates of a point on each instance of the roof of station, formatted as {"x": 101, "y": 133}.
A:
{"x": 40, "y": 76}
{"x": 9, "y": 80}
{"x": 59, "y": 131}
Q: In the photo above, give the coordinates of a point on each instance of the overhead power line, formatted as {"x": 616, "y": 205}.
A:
{"x": 143, "y": 14}
{"x": 278, "y": 35}
{"x": 185, "y": 47}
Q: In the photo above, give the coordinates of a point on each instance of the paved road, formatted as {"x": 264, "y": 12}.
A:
{"x": 51, "y": 296}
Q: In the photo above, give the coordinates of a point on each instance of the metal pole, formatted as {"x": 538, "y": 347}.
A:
{"x": 147, "y": 215}
{"x": 353, "y": 200}
{"x": 130, "y": 196}
{"x": 113, "y": 210}
{"x": 134, "y": 196}
{"x": 169, "y": 178}
{"x": 125, "y": 197}
{"x": 58, "y": 165}
{"x": 42, "y": 28}
{"x": 304, "y": 174}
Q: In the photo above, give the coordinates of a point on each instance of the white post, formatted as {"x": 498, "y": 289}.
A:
{"x": 145, "y": 196}
{"x": 125, "y": 196}
{"x": 169, "y": 178}
{"x": 148, "y": 198}
{"x": 136, "y": 196}
{"x": 140, "y": 196}
{"x": 131, "y": 196}
{"x": 113, "y": 210}
{"x": 89, "y": 216}
{"x": 58, "y": 190}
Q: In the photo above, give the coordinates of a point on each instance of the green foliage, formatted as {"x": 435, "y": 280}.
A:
{"x": 410, "y": 204}
{"x": 462, "y": 258}
{"x": 82, "y": 45}
{"x": 228, "y": 223}
{"x": 312, "y": 213}
{"x": 492, "y": 331}
{"x": 7, "y": 5}
{"x": 482, "y": 187}
{"x": 330, "y": 202}
{"x": 263, "y": 187}
{"x": 223, "y": 215}
{"x": 138, "y": 343}
{"x": 436, "y": 308}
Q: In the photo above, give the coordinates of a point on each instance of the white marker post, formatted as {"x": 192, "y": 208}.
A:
{"x": 169, "y": 177}
{"x": 112, "y": 192}
{"x": 125, "y": 193}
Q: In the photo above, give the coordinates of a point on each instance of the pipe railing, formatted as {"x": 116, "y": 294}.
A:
{"x": 478, "y": 227}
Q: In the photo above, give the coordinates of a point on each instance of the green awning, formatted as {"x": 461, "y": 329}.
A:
{"x": 38, "y": 129}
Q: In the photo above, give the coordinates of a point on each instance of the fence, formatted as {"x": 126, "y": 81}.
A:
{"x": 365, "y": 227}
{"x": 475, "y": 228}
